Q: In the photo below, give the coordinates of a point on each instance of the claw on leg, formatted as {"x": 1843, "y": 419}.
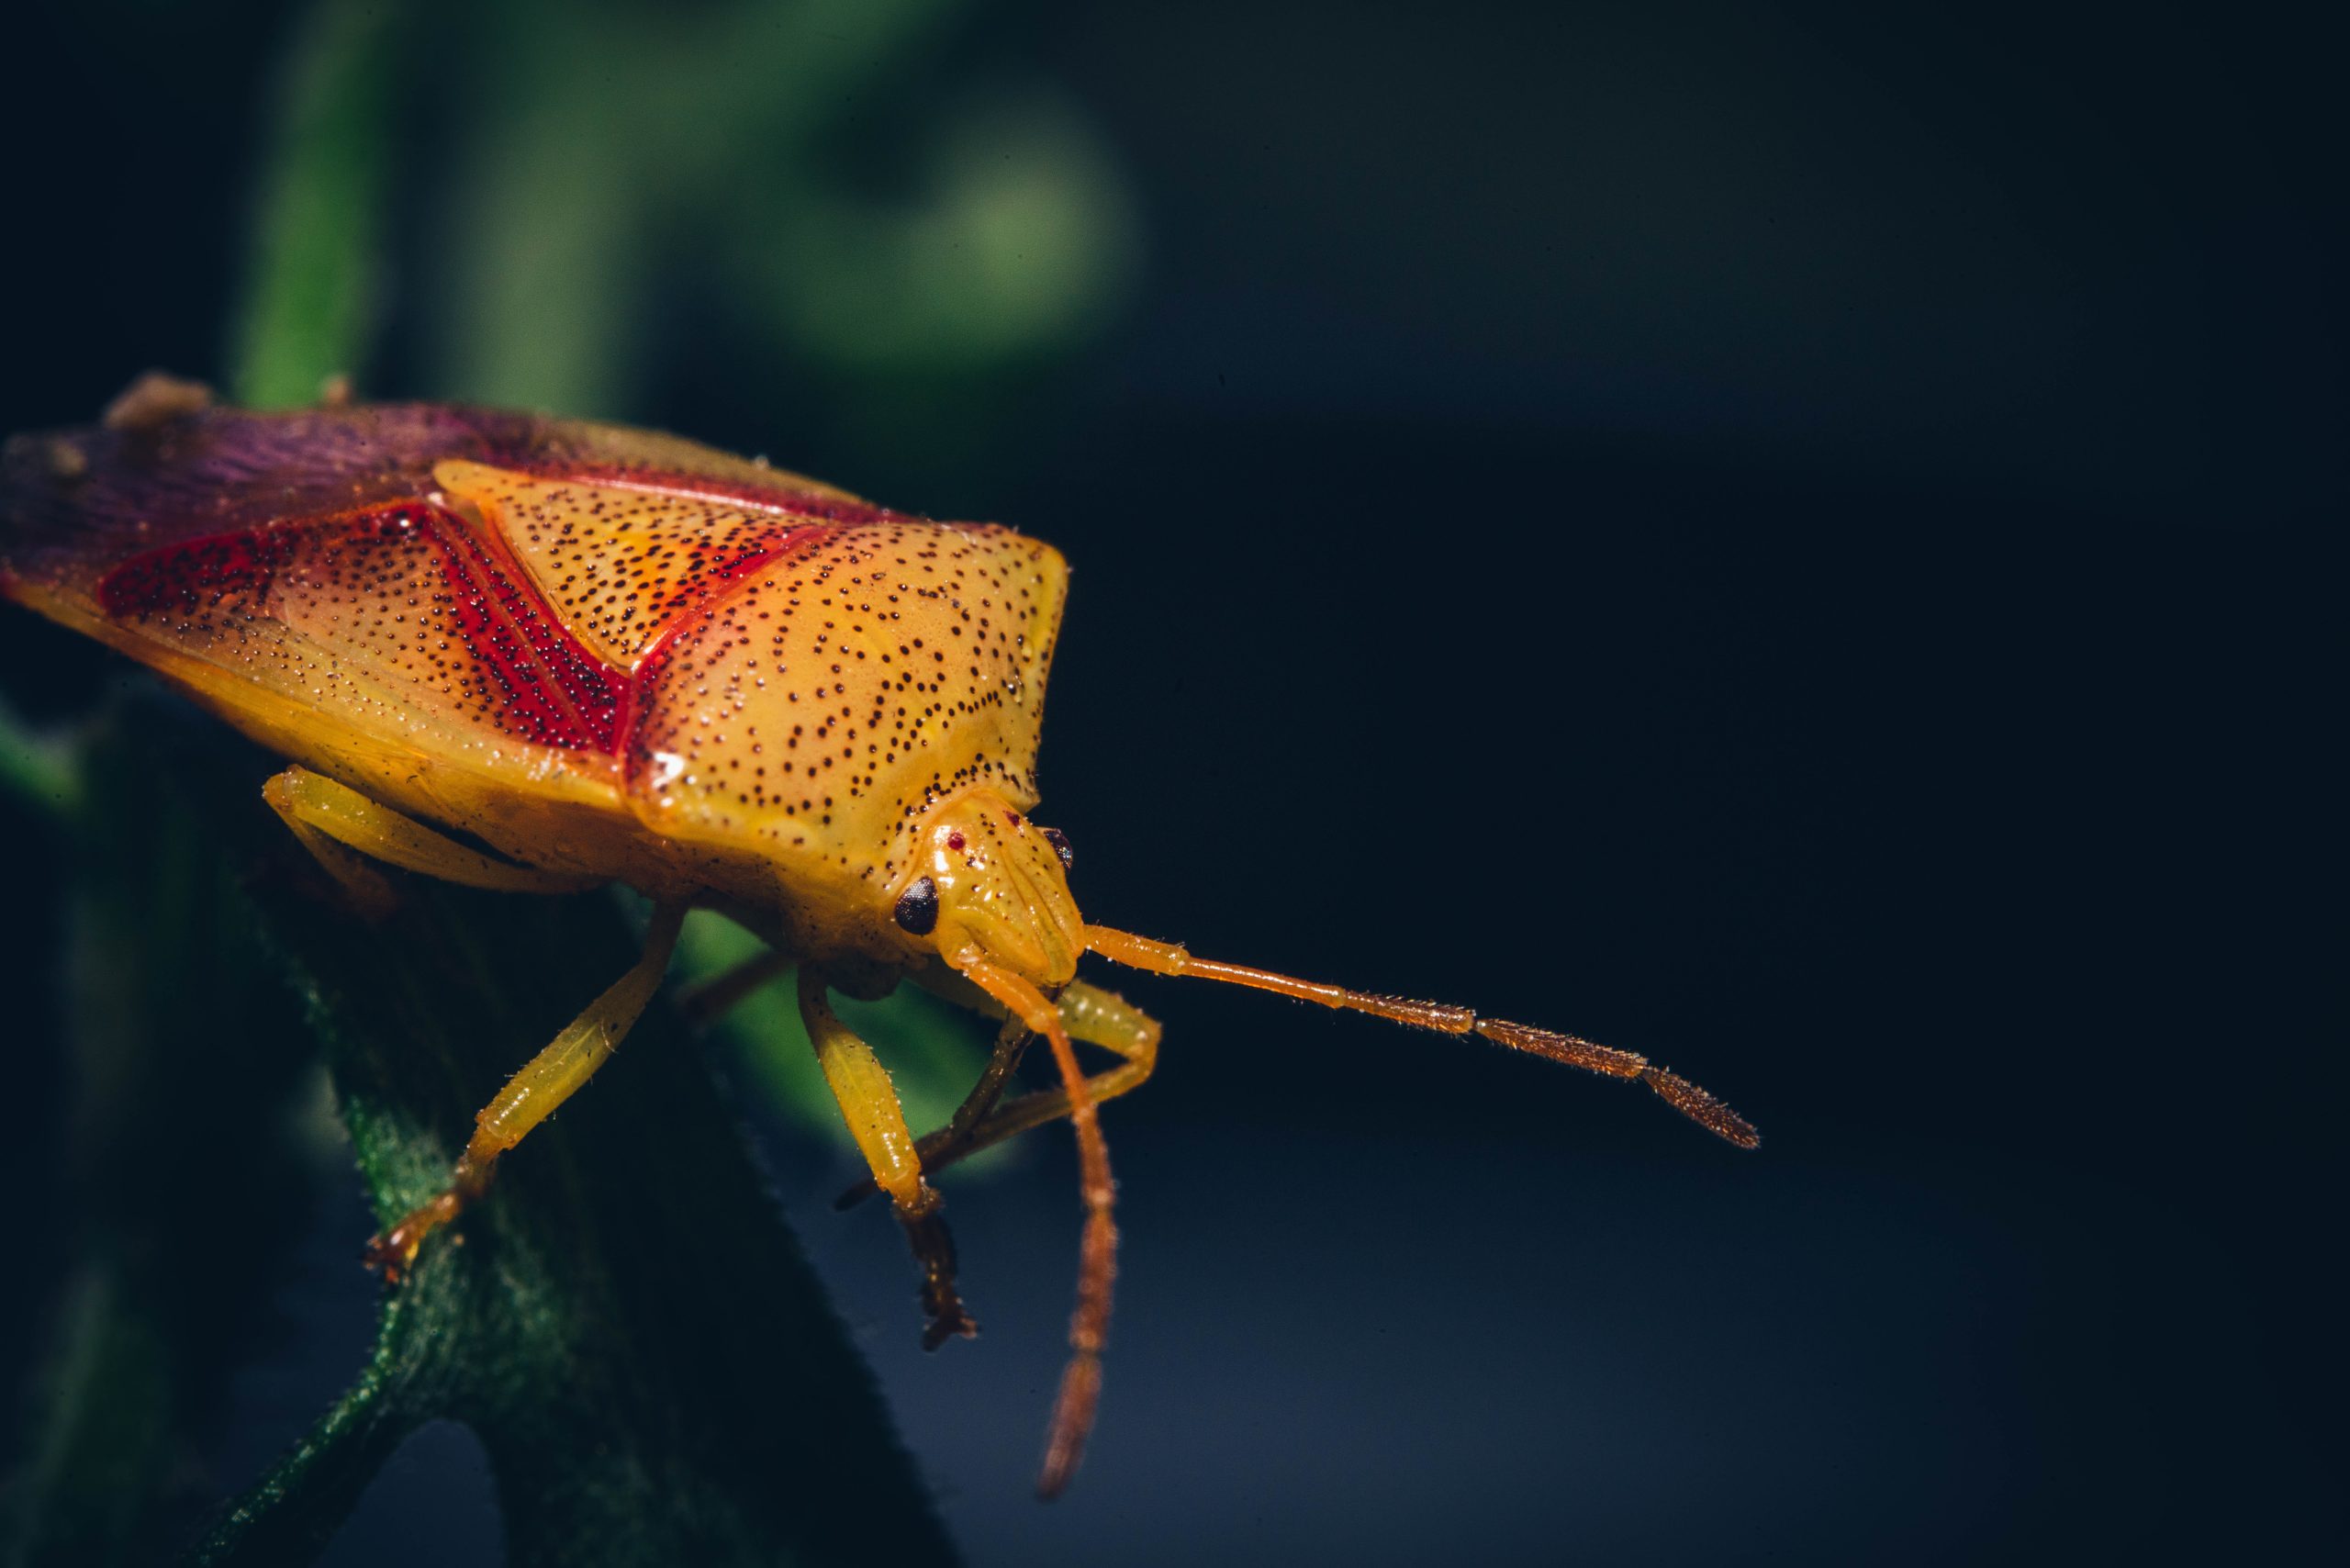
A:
{"x": 944, "y": 1316}
{"x": 392, "y": 1252}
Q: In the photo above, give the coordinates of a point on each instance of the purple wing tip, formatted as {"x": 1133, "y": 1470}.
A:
{"x": 164, "y": 464}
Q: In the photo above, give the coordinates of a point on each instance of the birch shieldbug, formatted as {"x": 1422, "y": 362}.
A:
{"x": 603, "y": 654}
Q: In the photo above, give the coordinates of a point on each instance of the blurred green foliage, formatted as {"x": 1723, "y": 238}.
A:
{"x": 38, "y": 769}
{"x": 315, "y": 268}
{"x": 619, "y": 147}
{"x": 160, "y": 946}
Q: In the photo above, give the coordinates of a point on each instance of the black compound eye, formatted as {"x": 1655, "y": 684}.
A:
{"x": 917, "y": 908}
{"x": 1059, "y": 841}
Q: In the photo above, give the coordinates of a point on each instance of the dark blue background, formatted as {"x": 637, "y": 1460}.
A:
{"x": 1796, "y": 540}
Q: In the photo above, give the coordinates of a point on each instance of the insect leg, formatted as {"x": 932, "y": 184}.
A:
{"x": 1090, "y": 1014}
{"x": 876, "y": 1121}
{"x": 332, "y": 819}
{"x": 1011, "y": 1045}
{"x": 531, "y": 1095}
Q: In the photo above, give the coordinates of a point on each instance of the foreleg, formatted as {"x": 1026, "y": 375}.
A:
{"x": 877, "y": 1123}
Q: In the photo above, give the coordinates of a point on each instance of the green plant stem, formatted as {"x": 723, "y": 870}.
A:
{"x": 310, "y": 293}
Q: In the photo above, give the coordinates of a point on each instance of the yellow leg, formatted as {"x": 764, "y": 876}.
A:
{"x": 878, "y": 1122}
{"x": 1090, "y": 1014}
{"x": 1081, "y": 1012}
{"x": 332, "y": 819}
{"x": 531, "y": 1095}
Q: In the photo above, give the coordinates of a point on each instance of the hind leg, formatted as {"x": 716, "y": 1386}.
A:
{"x": 333, "y": 820}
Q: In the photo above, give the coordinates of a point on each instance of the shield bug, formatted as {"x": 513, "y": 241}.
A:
{"x": 538, "y": 655}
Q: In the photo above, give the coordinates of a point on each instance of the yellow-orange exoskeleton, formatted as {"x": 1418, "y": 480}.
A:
{"x": 599, "y": 655}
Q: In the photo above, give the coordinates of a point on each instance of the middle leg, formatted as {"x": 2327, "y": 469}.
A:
{"x": 1090, "y": 1014}
{"x": 868, "y": 1102}
{"x": 531, "y": 1095}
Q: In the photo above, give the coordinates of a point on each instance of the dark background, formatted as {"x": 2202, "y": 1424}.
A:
{"x": 1796, "y": 540}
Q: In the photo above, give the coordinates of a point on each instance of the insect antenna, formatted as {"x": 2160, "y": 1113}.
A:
{"x": 1089, "y": 1328}
{"x": 1172, "y": 958}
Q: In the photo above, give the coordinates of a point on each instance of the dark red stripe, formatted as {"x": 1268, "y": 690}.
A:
{"x": 566, "y": 695}
{"x": 548, "y": 688}
{"x": 197, "y": 576}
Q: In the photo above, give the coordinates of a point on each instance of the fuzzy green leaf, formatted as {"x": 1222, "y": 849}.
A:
{"x": 625, "y": 1323}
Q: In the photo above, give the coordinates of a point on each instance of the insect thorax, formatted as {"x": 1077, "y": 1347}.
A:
{"x": 812, "y": 707}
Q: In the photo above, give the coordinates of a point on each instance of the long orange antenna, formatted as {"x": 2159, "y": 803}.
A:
{"x": 1171, "y": 958}
{"x": 1089, "y": 1328}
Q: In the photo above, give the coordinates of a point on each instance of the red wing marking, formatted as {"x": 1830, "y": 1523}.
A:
{"x": 567, "y": 695}
{"x": 202, "y": 575}
{"x": 403, "y": 593}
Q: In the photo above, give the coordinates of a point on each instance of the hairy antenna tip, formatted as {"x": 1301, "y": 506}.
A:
{"x": 1703, "y": 1108}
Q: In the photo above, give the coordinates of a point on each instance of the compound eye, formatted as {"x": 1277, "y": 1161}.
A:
{"x": 1059, "y": 841}
{"x": 917, "y": 909}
